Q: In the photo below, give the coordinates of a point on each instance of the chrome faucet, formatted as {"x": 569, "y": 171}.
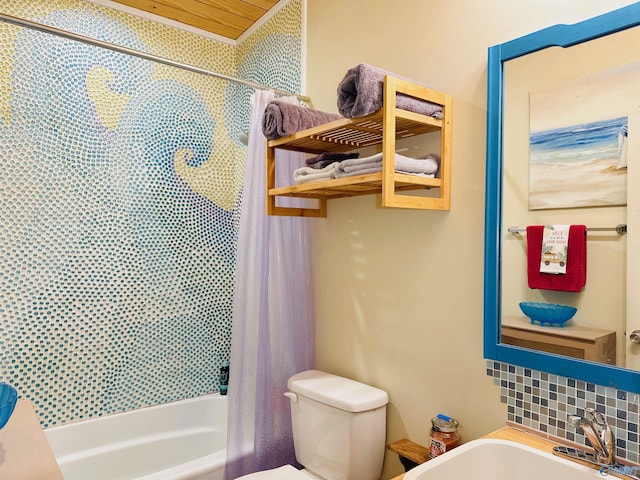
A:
{"x": 599, "y": 434}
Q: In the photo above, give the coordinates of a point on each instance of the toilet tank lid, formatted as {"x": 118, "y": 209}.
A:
{"x": 336, "y": 391}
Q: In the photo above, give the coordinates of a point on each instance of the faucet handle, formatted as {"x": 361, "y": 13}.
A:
{"x": 600, "y": 423}
{"x": 594, "y": 416}
{"x": 574, "y": 421}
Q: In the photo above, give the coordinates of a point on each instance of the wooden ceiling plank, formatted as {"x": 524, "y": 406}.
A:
{"x": 237, "y": 7}
{"x": 228, "y": 18}
{"x": 181, "y": 16}
{"x": 265, "y": 4}
{"x": 194, "y": 7}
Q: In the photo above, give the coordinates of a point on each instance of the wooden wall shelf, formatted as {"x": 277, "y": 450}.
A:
{"x": 411, "y": 454}
{"x": 381, "y": 128}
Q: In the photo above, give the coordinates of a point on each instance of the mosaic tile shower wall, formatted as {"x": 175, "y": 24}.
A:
{"x": 542, "y": 401}
{"x": 280, "y": 40}
{"x": 120, "y": 181}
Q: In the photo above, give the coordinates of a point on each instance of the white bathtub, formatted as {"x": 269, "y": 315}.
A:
{"x": 176, "y": 441}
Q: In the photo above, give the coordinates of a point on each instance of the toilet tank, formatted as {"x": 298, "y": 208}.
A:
{"x": 338, "y": 425}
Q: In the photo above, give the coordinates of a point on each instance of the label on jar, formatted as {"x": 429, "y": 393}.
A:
{"x": 436, "y": 447}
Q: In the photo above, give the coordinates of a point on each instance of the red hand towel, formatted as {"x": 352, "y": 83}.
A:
{"x": 576, "y": 275}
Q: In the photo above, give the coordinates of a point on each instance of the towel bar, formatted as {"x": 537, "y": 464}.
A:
{"x": 620, "y": 229}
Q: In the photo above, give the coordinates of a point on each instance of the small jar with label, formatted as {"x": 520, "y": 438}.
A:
{"x": 443, "y": 436}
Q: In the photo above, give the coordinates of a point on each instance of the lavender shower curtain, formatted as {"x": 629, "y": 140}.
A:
{"x": 273, "y": 329}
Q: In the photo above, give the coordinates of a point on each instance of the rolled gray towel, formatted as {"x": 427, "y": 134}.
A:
{"x": 282, "y": 119}
{"x": 361, "y": 91}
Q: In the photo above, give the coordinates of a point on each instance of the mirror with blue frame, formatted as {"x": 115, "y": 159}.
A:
{"x": 522, "y": 75}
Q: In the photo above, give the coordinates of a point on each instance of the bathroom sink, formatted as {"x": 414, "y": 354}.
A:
{"x": 499, "y": 460}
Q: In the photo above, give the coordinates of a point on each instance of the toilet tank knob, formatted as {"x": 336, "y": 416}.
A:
{"x": 292, "y": 396}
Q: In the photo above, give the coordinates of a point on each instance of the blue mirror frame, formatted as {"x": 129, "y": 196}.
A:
{"x": 555, "y": 36}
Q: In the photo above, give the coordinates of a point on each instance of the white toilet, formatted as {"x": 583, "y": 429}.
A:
{"x": 338, "y": 429}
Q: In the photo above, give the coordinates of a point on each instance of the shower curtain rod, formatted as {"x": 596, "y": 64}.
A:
{"x": 137, "y": 53}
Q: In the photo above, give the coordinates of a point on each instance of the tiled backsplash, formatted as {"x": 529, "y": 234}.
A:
{"x": 542, "y": 401}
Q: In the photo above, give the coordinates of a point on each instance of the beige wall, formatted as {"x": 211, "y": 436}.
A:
{"x": 399, "y": 293}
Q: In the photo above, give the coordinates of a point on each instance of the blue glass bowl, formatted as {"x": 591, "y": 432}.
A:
{"x": 8, "y": 399}
{"x": 548, "y": 313}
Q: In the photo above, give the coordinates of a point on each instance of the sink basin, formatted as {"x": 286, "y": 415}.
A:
{"x": 499, "y": 460}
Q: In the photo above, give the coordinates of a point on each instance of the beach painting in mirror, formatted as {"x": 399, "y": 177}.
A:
{"x": 578, "y": 140}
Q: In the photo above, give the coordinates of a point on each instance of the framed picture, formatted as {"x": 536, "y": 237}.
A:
{"x": 578, "y": 140}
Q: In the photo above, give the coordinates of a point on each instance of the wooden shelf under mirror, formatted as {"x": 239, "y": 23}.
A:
{"x": 593, "y": 344}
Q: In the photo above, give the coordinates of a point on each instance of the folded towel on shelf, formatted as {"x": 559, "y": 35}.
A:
{"x": 425, "y": 175}
{"x": 324, "y": 159}
{"x": 427, "y": 166}
{"x": 576, "y": 272}
{"x": 361, "y": 93}
{"x": 362, "y": 170}
{"x": 366, "y": 169}
{"x": 310, "y": 174}
{"x": 360, "y": 163}
{"x": 281, "y": 119}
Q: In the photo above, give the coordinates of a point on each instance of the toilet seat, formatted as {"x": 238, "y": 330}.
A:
{"x": 287, "y": 472}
